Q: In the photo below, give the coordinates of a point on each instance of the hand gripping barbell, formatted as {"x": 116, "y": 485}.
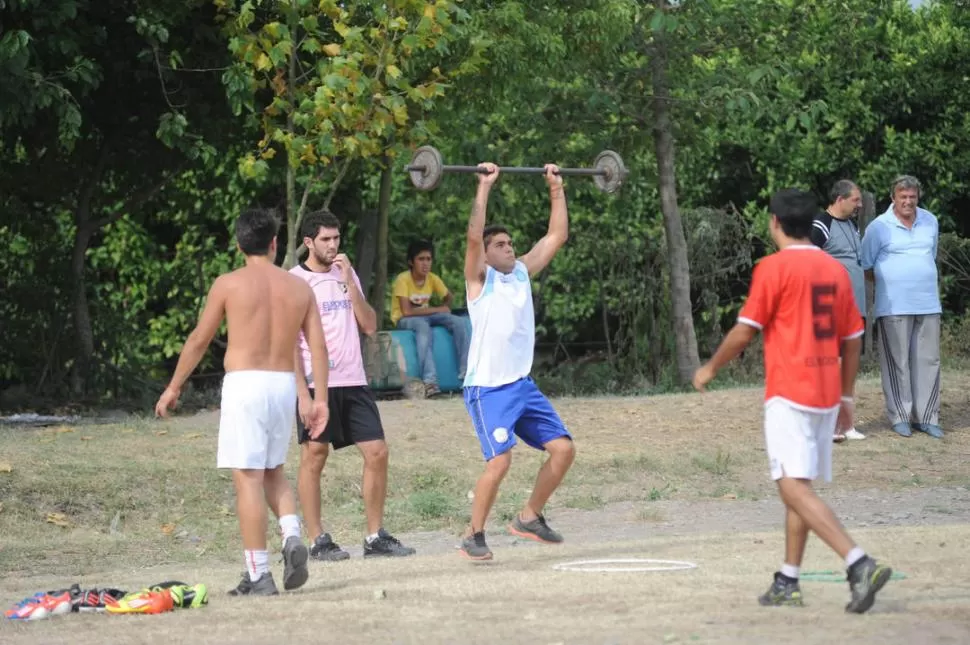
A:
{"x": 426, "y": 169}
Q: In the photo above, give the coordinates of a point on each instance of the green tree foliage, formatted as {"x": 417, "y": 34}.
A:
{"x": 333, "y": 83}
{"x": 101, "y": 131}
{"x": 125, "y": 159}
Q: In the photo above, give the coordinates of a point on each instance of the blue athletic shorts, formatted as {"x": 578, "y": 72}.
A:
{"x": 518, "y": 408}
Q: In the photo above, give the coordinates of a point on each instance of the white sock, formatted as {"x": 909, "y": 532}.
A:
{"x": 290, "y": 526}
{"x": 789, "y": 571}
{"x": 372, "y": 537}
{"x": 257, "y": 563}
{"x": 854, "y": 556}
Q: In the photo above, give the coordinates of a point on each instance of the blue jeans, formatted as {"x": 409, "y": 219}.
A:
{"x": 421, "y": 326}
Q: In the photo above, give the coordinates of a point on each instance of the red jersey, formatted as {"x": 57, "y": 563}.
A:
{"x": 801, "y": 299}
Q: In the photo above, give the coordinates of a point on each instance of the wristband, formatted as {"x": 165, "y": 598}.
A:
{"x": 847, "y": 399}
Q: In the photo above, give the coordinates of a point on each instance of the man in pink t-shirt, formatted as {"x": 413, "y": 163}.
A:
{"x": 354, "y": 418}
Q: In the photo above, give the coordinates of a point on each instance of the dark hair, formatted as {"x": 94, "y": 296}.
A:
{"x": 313, "y": 222}
{"x": 255, "y": 230}
{"x": 419, "y": 246}
{"x": 842, "y": 188}
{"x": 492, "y": 231}
{"x": 795, "y": 210}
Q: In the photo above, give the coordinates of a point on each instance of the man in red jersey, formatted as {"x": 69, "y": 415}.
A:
{"x": 801, "y": 299}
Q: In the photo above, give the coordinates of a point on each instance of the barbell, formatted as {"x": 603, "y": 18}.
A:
{"x": 426, "y": 169}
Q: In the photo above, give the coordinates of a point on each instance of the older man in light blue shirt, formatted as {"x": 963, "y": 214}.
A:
{"x": 899, "y": 252}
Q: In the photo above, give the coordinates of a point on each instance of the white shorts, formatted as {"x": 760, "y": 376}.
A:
{"x": 256, "y": 419}
{"x": 799, "y": 442}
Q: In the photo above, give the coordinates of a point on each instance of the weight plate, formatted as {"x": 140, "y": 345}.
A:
{"x": 425, "y": 168}
{"x": 614, "y": 171}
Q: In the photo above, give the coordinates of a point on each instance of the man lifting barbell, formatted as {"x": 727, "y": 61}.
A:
{"x": 500, "y": 395}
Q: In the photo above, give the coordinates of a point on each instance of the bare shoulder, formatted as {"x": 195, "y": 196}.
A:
{"x": 297, "y": 286}
{"x": 225, "y": 282}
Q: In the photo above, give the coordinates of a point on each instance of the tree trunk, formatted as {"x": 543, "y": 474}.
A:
{"x": 605, "y": 315}
{"x": 383, "y": 211}
{"x": 292, "y": 215}
{"x": 85, "y": 228}
{"x": 81, "y": 374}
{"x": 682, "y": 312}
{"x": 367, "y": 251}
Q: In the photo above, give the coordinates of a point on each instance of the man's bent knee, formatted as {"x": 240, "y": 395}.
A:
{"x": 374, "y": 452}
{"x": 498, "y": 465}
{"x": 249, "y": 475}
{"x": 792, "y": 488}
{"x": 562, "y": 449}
{"x": 414, "y": 323}
{"x": 313, "y": 455}
{"x": 273, "y": 473}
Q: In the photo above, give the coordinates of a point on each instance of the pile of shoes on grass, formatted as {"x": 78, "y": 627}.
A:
{"x": 157, "y": 599}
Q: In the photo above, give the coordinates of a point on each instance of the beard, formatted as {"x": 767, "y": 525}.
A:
{"x": 322, "y": 259}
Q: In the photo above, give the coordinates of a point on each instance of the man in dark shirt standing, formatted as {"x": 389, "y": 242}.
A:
{"x": 836, "y": 232}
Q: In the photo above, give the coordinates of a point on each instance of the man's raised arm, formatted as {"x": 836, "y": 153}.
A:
{"x": 475, "y": 241}
{"x": 545, "y": 249}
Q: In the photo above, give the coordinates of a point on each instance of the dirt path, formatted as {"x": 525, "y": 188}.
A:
{"x": 622, "y": 521}
{"x": 520, "y": 597}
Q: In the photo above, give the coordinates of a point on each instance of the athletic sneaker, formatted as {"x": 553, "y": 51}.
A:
{"x": 866, "y": 577}
{"x": 536, "y": 530}
{"x": 97, "y": 599}
{"x": 295, "y": 556}
{"x": 265, "y": 586}
{"x": 183, "y": 595}
{"x": 903, "y": 429}
{"x": 386, "y": 545}
{"x": 324, "y": 548}
{"x": 474, "y": 547}
{"x": 933, "y": 430}
{"x": 42, "y": 605}
{"x": 192, "y": 596}
{"x": 783, "y": 592}
{"x": 143, "y": 602}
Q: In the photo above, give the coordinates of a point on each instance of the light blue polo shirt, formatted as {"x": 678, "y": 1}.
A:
{"x": 904, "y": 263}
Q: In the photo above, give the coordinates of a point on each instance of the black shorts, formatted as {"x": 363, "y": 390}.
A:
{"x": 353, "y": 418}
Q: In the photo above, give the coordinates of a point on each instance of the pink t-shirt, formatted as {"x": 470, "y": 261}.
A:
{"x": 339, "y": 327}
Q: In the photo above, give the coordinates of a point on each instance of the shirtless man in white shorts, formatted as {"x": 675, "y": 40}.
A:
{"x": 265, "y": 309}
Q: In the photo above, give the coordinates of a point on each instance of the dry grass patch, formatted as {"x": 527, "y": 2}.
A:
{"x": 146, "y": 492}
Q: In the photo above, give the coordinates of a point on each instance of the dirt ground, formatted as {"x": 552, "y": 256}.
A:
{"x": 680, "y": 477}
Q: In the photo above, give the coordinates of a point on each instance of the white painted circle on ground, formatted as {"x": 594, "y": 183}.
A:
{"x": 632, "y": 565}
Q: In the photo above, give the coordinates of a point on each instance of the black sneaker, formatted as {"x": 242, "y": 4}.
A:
{"x": 474, "y": 547}
{"x": 295, "y": 555}
{"x": 265, "y": 586}
{"x": 536, "y": 530}
{"x": 866, "y": 577}
{"x": 386, "y": 545}
{"x": 783, "y": 592}
{"x": 324, "y": 548}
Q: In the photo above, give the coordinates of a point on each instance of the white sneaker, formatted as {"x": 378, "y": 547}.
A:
{"x": 852, "y": 433}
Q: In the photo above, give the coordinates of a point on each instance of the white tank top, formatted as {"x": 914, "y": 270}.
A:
{"x": 503, "y": 329}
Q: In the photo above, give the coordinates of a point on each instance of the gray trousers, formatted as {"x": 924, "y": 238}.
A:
{"x": 909, "y": 359}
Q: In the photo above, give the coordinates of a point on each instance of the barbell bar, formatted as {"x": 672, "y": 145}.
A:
{"x": 426, "y": 169}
